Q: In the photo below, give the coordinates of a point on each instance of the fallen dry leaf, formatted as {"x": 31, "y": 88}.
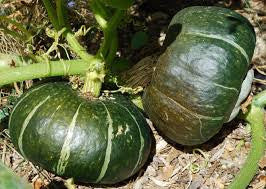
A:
{"x": 262, "y": 178}
{"x": 260, "y": 185}
{"x": 262, "y": 162}
{"x": 167, "y": 172}
{"x": 38, "y": 184}
{"x": 159, "y": 182}
{"x": 172, "y": 154}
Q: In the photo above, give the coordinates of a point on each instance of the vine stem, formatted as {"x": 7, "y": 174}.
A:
{"x": 11, "y": 180}
{"x": 255, "y": 117}
{"x": 62, "y": 14}
{"x": 41, "y": 70}
{"x": 58, "y": 21}
{"x": 109, "y": 33}
{"x": 113, "y": 49}
{"x": 96, "y": 72}
{"x": 77, "y": 48}
{"x": 95, "y": 78}
{"x": 51, "y": 14}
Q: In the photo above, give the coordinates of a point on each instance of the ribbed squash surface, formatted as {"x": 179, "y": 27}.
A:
{"x": 198, "y": 78}
{"x": 94, "y": 141}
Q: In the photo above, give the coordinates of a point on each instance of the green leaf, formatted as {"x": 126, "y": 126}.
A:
{"x": 139, "y": 39}
{"x": 3, "y": 113}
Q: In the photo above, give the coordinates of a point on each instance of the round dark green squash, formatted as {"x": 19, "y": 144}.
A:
{"x": 8, "y": 180}
{"x": 119, "y": 4}
{"x": 197, "y": 79}
{"x": 94, "y": 141}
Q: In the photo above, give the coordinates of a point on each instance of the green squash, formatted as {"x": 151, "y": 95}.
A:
{"x": 119, "y": 4}
{"x": 8, "y": 180}
{"x": 197, "y": 79}
{"x": 95, "y": 141}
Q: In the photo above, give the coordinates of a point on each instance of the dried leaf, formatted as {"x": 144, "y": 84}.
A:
{"x": 167, "y": 172}
{"x": 38, "y": 184}
{"x": 161, "y": 145}
{"x": 172, "y": 155}
{"x": 218, "y": 154}
{"x": 261, "y": 184}
{"x": 159, "y": 182}
{"x": 262, "y": 162}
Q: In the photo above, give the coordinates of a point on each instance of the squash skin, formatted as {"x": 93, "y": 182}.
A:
{"x": 109, "y": 142}
{"x": 119, "y": 4}
{"x": 8, "y": 180}
{"x": 197, "y": 79}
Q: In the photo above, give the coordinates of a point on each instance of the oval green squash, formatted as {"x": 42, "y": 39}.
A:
{"x": 94, "y": 141}
{"x": 119, "y": 4}
{"x": 8, "y": 180}
{"x": 197, "y": 79}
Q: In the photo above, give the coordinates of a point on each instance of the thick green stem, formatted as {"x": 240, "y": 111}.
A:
{"x": 105, "y": 12}
{"x": 41, "y": 70}
{"x": 77, "y": 48}
{"x": 109, "y": 31}
{"x": 95, "y": 68}
{"x": 96, "y": 72}
{"x": 109, "y": 27}
{"x": 51, "y": 14}
{"x": 61, "y": 13}
{"x": 255, "y": 117}
{"x": 93, "y": 83}
{"x": 113, "y": 49}
{"x": 10, "y": 180}
{"x": 94, "y": 78}
{"x": 57, "y": 19}
{"x": 99, "y": 13}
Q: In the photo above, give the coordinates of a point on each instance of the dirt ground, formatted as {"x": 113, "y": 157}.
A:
{"x": 208, "y": 166}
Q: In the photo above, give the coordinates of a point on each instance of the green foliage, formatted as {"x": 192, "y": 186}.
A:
{"x": 139, "y": 39}
{"x": 4, "y": 112}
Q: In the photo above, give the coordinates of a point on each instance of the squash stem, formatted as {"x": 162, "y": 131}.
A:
{"x": 77, "y": 48}
{"x": 109, "y": 26}
{"x": 95, "y": 77}
{"x": 93, "y": 83}
{"x": 51, "y": 14}
{"x": 99, "y": 13}
{"x": 46, "y": 69}
{"x": 109, "y": 32}
{"x": 58, "y": 20}
{"x": 96, "y": 71}
{"x": 255, "y": 117}
{"x": 113, "y": 49}
{"x": 62, "y": 14}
